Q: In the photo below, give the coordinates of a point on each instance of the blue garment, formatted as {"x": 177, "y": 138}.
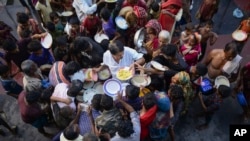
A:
{"x": 11, "y": 86}
{"x": 109, "y": 28}
{"x": 44, "y": 58}
{"x": 85, "y": 123}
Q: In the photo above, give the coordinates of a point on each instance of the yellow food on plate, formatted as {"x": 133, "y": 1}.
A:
{"x": 124, "y": 74}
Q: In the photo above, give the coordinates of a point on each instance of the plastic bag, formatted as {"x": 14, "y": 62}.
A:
{"x": 237, "y": 13}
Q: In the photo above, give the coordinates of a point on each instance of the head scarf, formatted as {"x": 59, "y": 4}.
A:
{"x": 184, "y": 81}
{"x": 183, "y": 78}
{"x": 155, "y": 25}
{"x": 140, "y": 12}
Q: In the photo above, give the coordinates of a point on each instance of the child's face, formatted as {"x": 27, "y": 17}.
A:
{"x": 90, "y": 16}
{"x": 191, "y": 41}
{"x": 74, "y": 27}
{"x": 208, "y": 28}
{"x": 175, "y": 79}
{"x": 56, "y": 19}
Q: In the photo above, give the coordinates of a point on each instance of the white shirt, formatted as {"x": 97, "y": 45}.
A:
{"x": 84, "y": 7}
{"x": 78, "y": 76}
{"x": 60, "y": 91}
{"x": 130, "y": 56}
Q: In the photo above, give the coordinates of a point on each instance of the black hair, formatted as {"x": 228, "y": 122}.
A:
{"x": 9, "y": 45}
{"x": 231, "y": 46}
{"x": 176, "y": 91}
{"x": 105, "y": 14}
{"x": 70, "y": 132}
{"x": 125, "y": 128}
{"x": 53, "y": 15}
{"x": 169, "y": 50}
{"x": 95, "y": 102}
{"x": 90, "y": 137}
{"x": 155, "y": 6}
{"x": 4, "y": 69}
{"x": 156, "y": 83}
{"x": 47, "y": 93}
{"x": 71, "y": 67}
{"x": 75, "y": 87}
{"x": 149, "y": 100}
{"x": 106, "y": 102}
{"x": 34, "y": 46}
{"x": 209, "y": 22}
{"x": 32, "y": 96}
{"x": 25, "y": 33}
{"x": 132, "y": 92}
{"x": 105, "y": 44}
{"x": 50, "y": 26}
{"x": 74, "y": 20}
{"x": 224, "y": 91}
{"x": 22, "y": 17}
{"x": 189, "y": 26}
{"x": 116, "y": 47}
{"x": 61, "y": 41}
{"x": 201, "y": 69}
{"x": 66, "y": 112}
{"x": 80, "y": 44}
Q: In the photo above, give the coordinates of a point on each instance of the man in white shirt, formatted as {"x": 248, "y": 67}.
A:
{"x": 83, "y": 7}
{"x": 119, "y": 56}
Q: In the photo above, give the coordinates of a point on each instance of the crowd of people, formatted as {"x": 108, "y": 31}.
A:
{"x": 53, "y": 77}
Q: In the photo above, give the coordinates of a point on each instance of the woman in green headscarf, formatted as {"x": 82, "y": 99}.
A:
{"x": 182, "y": 78}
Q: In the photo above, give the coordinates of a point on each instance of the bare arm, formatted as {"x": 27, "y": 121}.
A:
{"x": 213, "y": 38}
{"x": 202, "y": 102}
{"x": 58, "y": 99}
{"x": 76, "y": 119}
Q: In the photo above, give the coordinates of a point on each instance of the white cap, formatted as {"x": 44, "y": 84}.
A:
{"x": 221, "y": 80}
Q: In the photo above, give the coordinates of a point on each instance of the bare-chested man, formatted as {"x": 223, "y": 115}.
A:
{"x": 217, "y": 58}
{"x": 207, "y": 35}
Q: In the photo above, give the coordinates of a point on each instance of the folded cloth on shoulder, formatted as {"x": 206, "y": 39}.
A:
{"x": 232, "y": 66}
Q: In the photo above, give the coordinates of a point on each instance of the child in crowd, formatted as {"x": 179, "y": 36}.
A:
{"x": 61, "y": 51}
{"x": 91, "y": 25}
{"x": 189, "y": 29}
{"x": 25, "y": 22}
{"x": 176, "y": 96}
{"x": 14, "y": 53}
{"x": 207, "y": 34}
{"x": 54, "y": 33}
{"x": 108, "y": 25}
{"x": 132, "y": 97}
{"x": 39, "y": 54}
{"x": 56, "y": 20}
{"x": 212, "y": 103}
{"x": 192, "y": 49}
{"x": 10, "y": 85}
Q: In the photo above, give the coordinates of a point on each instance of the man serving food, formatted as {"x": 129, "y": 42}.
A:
{"x": 118, "y": 57}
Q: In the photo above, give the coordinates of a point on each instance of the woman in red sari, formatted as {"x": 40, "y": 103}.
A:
{"x": 168, "y": 16}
